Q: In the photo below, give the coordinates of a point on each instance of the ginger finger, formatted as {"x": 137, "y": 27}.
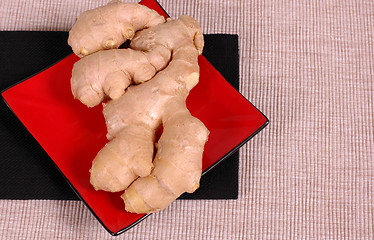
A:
{"x": 123, "y": 159}
{"x": 109, "y": 26}
{"x": 109, "y": 73}
{"x": 162, "y": 39}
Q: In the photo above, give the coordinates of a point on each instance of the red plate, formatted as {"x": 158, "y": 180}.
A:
{"x": 72, "y": 134}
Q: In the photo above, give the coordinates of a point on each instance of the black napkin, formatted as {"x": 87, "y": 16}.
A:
{"x": 27, "y": 171}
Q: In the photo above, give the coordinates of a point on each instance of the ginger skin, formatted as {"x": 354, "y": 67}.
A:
{"x": 127, "y": 162}
{"x": 109, "y": 26}
{"x": 106, "y": 74}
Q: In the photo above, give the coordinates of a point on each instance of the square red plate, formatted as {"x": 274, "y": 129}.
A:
{"x": 72, "y": 134}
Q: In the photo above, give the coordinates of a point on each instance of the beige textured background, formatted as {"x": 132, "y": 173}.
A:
{"x": 308, "y": 65}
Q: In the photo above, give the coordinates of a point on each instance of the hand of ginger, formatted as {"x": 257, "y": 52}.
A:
{"x": 127, "y": 161}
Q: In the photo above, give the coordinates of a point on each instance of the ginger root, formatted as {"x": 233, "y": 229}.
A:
{"x": 163, "y": 62}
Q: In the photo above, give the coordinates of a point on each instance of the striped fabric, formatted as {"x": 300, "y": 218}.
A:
{"x": 309, "y": 66}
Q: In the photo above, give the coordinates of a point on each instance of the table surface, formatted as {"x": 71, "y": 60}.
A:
{"x": 308, "y": 65}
